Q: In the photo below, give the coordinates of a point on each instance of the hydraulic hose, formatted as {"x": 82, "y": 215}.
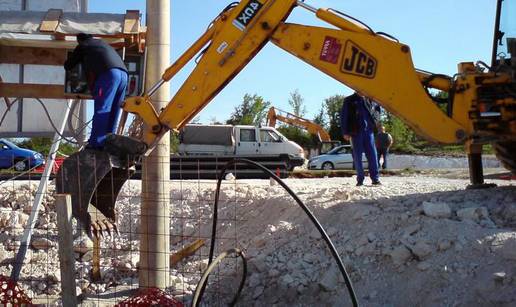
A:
{"x": 307, "y": 211}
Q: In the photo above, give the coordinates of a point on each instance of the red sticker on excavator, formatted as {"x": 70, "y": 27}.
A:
{"x": 330, "y": 50}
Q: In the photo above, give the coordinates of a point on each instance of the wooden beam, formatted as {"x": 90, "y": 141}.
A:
{"x": 131, "y": 22}
{"x": 65, "y": 249}
{"x": 43, "y": 91}
{"x": 31, "y": 55}
{"x": 51, "y": 20}
{"x": 49, "y": 91}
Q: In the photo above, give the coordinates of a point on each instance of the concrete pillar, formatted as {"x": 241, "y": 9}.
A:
{"x": 155, "y": 220}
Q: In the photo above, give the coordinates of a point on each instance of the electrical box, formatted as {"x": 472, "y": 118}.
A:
{"x": 76, "y": 83}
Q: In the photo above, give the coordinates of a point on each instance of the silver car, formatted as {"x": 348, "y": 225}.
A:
{"x": 340, "y": 157}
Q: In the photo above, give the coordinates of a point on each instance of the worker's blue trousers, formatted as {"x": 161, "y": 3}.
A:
{"x": 109, "y": 93}
{"x": 363, "y": 142}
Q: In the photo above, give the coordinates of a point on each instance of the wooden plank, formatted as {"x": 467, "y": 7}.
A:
{"x": 66, "y": 253}
{"x": 131, "y": 22}
{"x": 49, "y": 91}
{"x": 6, "y": 99}
{"x": 51, "y": 20}
{"x": 31, "y": 55}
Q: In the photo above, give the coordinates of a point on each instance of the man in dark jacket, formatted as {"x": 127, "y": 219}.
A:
{"x": 359, "y": 122}
{"x": 107, "y": 79}
{"x": 383, "y": 143}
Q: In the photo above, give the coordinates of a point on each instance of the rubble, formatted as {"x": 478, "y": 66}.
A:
{"x": 400, "y": 243}
{"x": 438, "y": 210}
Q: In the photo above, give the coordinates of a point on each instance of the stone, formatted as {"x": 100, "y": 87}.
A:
{"x": 254, "y": 280}
{"x": 258, "y": 291}
{"x": 371, "y": 237}
{"x": 422, "y": 250}
{"x": 499, "y": 276}
{"x": 508, "y": 250}
{"x": 437, "y": 210}
{"x": 83, "y": 283}
{"x": 286, "y": 280}
{"x": 274, "y": 273}
{"x": 41, "y": 243}
{"x": 468, "y": 214}
{"x": 329, "y": 281}
{"x": 412, "y": 229}
{"x": 423, "y": 266}
{"x": 82, "y": 245}
{"x": 444, "y": 244}
{"x": 87, "y": 257}
{"x": 400, "y": 255}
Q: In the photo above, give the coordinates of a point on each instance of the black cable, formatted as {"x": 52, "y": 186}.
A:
{"x": 314, "y": 220}
{"x": 199, "y": 290}
{"x": 52, "y": 123}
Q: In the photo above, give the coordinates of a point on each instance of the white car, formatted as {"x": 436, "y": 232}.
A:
{"x": 340, "y": 157}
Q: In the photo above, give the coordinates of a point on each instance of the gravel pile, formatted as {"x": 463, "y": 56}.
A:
{"x": 412, "y": 241}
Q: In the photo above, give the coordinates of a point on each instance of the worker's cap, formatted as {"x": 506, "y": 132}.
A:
{"x": 83, "y": 37}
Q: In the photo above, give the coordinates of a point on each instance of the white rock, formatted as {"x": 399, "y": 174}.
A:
{"x": 41, "y": 243}
{"x": 286, "y": 280}
{"x": 508, "y": 250}
{"x": 254, "y": 280}
{"x": 422, "y": 250}
{"x": 258, "y": 291}
{"x": 329, "y": 281}
{"x": 439, "y": 210}
{"x": 444, "y": 244}
{"x": 82, "y": 245}
{"x": 400, "y": 255}
{"x": 412, "y": 229}
{"x": 468, "y": 214}
{"x": 423, "y": 266}
{"x": 229, "y": 176}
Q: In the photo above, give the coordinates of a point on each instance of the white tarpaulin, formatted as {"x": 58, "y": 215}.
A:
{"x": 28, "y": 22}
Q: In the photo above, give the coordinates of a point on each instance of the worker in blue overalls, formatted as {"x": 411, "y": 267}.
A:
{"x": 359, "y": 121}
{"x": 107, "y": 79}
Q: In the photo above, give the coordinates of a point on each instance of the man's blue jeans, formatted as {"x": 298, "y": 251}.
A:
{"x": 363, "y": 142}
{"x": 383, "y": 152}
{"x": 109, "y": 93}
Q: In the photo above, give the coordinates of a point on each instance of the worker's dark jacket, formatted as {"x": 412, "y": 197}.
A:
{"x": 96, "y": 57}
{"x": 358, "y": 114}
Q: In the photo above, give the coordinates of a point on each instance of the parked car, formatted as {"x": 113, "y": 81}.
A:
{"x": 340, "y": 157}
{"x": 12, "y": 156}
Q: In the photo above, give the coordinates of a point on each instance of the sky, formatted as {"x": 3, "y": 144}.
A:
{"x": 441, "y": 34}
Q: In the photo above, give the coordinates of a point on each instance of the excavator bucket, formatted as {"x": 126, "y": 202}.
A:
{"x": 94, "y": 179}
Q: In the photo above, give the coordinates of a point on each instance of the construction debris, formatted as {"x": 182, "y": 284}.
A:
{"x": 412, "y": 241}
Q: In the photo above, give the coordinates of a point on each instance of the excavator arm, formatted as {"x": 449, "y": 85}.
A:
{"x": 294, "y": 120}
{"x": 372, "y": 64}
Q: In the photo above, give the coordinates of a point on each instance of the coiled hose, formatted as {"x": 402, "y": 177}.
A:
{"x": 211, "y": 264}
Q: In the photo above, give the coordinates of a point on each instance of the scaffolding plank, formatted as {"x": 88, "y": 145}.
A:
{"x": 31, "y": 55}
{"x": 48, "y": 91}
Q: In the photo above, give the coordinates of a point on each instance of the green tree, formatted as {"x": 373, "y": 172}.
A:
{"x": 297, "y": 103}
{"x": 42, "y": 145}
{"x": 332, "y": 107}
{"x": 252, "y": 111}
{"x": 403, "y": 136}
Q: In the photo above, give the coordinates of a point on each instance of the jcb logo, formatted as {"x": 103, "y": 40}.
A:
{"x": 358, "y": 62}
{"x": 247, "y": 14}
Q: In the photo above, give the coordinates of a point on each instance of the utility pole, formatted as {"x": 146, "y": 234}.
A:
{"x": 155, "y": 219}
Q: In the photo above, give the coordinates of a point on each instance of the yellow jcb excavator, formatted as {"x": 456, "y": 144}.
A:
{"x": 481, "y": 104}
{"x": 326, "y": 143}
